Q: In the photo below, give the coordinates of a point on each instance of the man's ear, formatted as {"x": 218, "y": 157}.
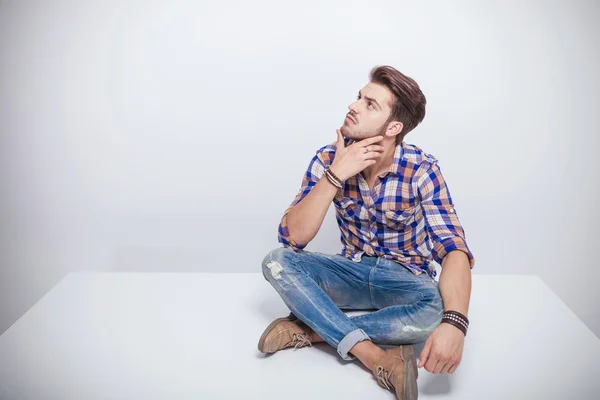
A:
{"x": 395, "y": 128}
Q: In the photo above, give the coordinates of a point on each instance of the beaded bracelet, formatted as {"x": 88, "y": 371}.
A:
{"x": 334, "y": 175}
{"x": 333, "y": 181}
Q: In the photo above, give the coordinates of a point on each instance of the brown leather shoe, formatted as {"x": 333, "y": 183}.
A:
{"x": 397, "y": 370}
{"x": 284, "y": 333}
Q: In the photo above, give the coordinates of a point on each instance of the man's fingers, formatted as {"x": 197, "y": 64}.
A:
{"x": 446, "y": 368}
{"x": 366, "y": 142}
{"x": 424, "y": 354}
{"x": 440, "y": 367}
{"x": 373, "y": 151}
{"x": 373, "y": 147}
{"x": 431, "y": 365}
{"x": 340, "y": 139}
{"x": 372, "y": 154}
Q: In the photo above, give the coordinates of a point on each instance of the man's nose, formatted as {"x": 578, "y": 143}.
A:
{"x": 353, "y": 108}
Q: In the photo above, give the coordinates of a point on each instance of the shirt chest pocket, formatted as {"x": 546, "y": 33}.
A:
{"x": 352, "y": 210}
{"x": 400, "y": 218}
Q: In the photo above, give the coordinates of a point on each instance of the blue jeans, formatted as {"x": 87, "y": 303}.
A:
{"x": 316, "y": 287}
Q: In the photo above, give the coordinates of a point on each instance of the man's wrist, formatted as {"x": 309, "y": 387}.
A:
{"x": 330, "y": 172}
{"x": 336, "y": 175}
{"x": 333, "y": 179}
{"x": 456, "y": 319}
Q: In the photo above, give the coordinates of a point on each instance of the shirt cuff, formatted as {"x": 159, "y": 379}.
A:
{"x": 450, "y": 244}
{"x": 283, "y": 236}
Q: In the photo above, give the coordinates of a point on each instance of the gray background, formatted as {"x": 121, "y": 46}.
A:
{"x": 171, "y": 136}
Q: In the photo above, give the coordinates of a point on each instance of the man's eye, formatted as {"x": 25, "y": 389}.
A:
{"x": 371, "y": 104}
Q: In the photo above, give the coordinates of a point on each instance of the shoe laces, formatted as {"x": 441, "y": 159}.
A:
{"x": 383, "y": 377}
{"x": 300, "y": 340}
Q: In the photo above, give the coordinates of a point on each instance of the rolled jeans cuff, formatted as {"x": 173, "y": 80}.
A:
{"x": 348, "y": 342}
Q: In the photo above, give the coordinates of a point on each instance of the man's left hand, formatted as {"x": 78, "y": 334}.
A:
{"x": 443, "y": 350}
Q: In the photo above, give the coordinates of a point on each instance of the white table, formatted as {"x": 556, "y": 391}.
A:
{"x": 193, "y": 336}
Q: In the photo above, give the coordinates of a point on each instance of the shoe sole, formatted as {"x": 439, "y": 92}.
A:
{"x": 411, "y": 389}
{"x": 261, "y": 341}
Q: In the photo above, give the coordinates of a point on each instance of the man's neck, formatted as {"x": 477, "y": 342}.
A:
{"x": 383, "y": 164}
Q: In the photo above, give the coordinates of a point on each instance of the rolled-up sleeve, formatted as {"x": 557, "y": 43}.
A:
{"x": 441, "y": 219}
{"x": 314, "y": 172}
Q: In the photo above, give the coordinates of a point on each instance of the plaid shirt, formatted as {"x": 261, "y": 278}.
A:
{"x": 408, "y": 217}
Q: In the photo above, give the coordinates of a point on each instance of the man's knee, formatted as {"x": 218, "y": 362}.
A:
{"x": 276, "y": 261}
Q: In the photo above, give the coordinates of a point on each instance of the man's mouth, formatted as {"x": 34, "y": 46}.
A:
{"x": 349, "y": 118}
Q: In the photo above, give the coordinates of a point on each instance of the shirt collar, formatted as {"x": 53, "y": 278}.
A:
{"x": 398, "y": 152}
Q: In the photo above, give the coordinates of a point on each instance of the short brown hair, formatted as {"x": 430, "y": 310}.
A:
{"x": 409, "y": 107}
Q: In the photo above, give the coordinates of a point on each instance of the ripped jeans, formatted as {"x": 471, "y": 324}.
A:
{"x": 316, "y": 288}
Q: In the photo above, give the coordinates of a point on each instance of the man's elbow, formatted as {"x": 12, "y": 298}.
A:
{"x": 297, "y": 236}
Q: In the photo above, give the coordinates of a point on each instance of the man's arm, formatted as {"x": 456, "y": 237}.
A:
{"x": 449, "y": 244}
{"x": 455, "y": 282}
{"x": 303, "y": 218}
{"x": 443, "y": 349}
{"x": 441, "y": 220}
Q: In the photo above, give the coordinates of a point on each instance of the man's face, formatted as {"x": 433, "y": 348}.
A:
{"x": 368, "y": 115}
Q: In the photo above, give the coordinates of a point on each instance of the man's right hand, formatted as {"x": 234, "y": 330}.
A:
{"x": 351, "y": 160}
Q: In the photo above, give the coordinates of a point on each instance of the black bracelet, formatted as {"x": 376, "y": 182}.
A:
{"x": 456, "y": 324}
{"x": 455, "y": 318}
{"x": 452, "y": 312}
